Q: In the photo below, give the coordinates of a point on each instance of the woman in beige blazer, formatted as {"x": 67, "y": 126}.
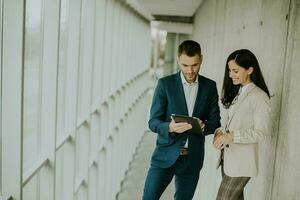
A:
{"x": 246, "y": 98}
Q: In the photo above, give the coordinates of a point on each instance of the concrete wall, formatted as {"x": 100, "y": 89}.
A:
{"x": 271, "y": 29}
{"x": 287, "y": 175}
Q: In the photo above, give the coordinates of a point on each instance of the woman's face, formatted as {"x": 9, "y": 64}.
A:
{"x": 238, "y": 74}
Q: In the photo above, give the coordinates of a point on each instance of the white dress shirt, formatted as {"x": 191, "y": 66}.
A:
{"x": 190, "y": 93}
{"x": 237, "y": 134}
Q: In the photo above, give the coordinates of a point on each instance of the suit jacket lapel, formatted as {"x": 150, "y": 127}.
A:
{"x": 180, "y": 94}
{"x": 198, "y": 97}
{"x": 241, "y": 98}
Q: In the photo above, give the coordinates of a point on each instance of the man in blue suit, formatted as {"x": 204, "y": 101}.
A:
{"x": 180, "y": 153}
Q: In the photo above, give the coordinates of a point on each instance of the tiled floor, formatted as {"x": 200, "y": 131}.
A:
{"x": 132, "y": 187}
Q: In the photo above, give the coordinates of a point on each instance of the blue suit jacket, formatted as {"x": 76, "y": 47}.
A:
{"x": 169, "y": 99}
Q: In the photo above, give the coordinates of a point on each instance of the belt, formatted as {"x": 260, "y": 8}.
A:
{"x": 184, "y": 152}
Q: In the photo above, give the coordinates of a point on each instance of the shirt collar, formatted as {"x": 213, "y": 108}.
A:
{"x": 243, "y": 88}
{"x": 185, "y": 82}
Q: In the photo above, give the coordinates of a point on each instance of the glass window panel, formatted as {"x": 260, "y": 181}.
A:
{"x": 92, "y": 185}
{"x": 82, "y": 193}
{"x": 95, "y": 136}
{"x": 63, "y": 50}
{"x": 32, "y": 81}
{"x": 30, "y": 191}
{"x": 85, "y": 64}
{"x": 82, "y": 152}
{"x": 59, "y": 186}
{"x": 102, "y": 173}
{"x": 64, "y": 172}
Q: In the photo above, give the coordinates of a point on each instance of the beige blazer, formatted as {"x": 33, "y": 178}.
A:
{"x": 250, "y": 116}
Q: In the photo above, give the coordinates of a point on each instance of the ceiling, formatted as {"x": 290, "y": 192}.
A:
{"x": 167, "y": 10}
{"x": 170, "y": 7}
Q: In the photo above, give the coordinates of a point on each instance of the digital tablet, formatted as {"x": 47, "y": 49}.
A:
{"x": 191, "y": 120}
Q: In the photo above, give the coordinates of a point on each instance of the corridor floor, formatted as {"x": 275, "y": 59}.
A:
{"x": 132, "y": 187}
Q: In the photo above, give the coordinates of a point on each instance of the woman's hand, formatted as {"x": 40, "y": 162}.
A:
{"x": 222, "y": 139}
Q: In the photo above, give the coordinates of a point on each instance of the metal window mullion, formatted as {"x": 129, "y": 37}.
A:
{"x": 40, "y": 83}
{"x": 1, "y": 50}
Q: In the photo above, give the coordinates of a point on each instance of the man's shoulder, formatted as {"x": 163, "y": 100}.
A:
{"x": 206, "y": 80}
{"x": 168, "y": 79}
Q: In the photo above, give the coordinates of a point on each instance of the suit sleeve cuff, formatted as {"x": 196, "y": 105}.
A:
{"x": 236, "y": 137}
{"x": 165, "y": 126}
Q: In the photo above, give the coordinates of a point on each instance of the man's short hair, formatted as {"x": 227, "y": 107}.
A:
{"x": 189, "y": 48}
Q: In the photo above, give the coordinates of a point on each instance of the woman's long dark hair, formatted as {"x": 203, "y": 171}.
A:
{"x": 246, "y": 59}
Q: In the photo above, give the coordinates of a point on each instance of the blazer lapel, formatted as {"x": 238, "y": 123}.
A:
{"x": 180, "y": 94}
{"x": 199, "y": 96}
{"x": 241, "y": 98}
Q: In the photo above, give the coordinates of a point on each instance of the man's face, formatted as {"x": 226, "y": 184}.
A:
{"x": 190, "y": 66}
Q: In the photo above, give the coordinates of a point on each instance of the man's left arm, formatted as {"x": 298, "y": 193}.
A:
{"x": 213, "y": 119}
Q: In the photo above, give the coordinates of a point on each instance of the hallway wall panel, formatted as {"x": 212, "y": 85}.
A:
{"x": 78, "y": 79}
{"x": 262, "y": 26}
{"x": 287, "y": 176}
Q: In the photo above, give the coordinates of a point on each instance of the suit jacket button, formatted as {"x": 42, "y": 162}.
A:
{"x": 227, "y": 145}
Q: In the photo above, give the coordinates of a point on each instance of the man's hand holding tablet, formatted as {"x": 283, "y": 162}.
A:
{"x": 182, "y": 123}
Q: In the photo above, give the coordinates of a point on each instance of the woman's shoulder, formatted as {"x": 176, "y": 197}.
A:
{"x": 259, "y": 92}
{"x": 258, "y": 95}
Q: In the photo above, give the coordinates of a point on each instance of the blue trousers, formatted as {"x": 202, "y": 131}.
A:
{"x": 159, "y": 178}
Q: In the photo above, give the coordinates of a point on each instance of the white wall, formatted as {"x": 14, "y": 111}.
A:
{"x": 271, "y": 30}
